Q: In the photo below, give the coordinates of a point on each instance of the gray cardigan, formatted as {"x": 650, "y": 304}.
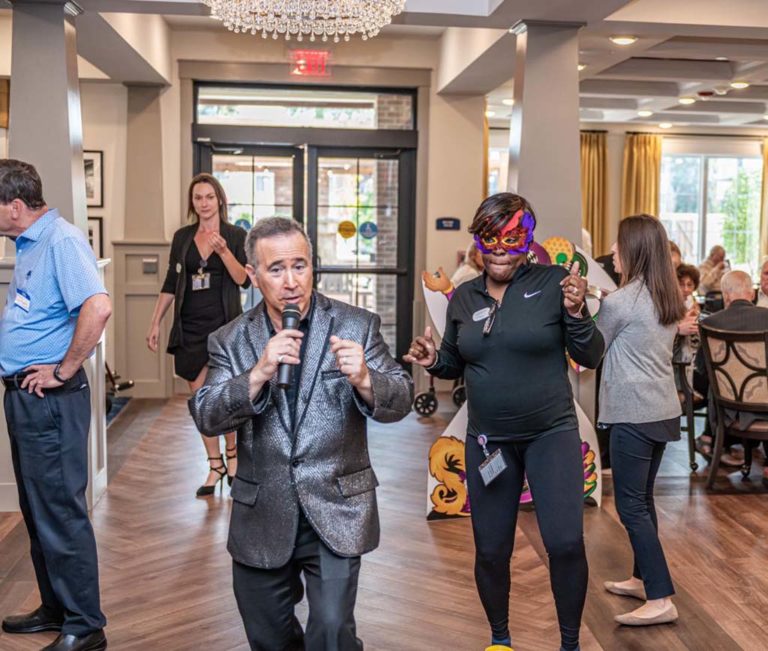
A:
{"x": 638, "y": 384}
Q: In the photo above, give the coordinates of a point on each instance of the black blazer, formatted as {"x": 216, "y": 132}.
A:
{"x": 739, "y": 316}
{"x": 176, "y": 277}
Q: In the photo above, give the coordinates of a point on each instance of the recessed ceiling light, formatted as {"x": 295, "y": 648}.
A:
{"x": 581, "y": 66}
{"x": 623, "y": 39}
{"x": 490, "y": 114}
{"x": 665, "y": 125}
{"x": 686, "y": 100}
{"x": 721, "y": 58}
{"x": 508, "y": 101}
{"x": 739, "y": 85}
{"x": 645, "y": 113}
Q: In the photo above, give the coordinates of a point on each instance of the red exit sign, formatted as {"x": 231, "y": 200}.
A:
{"x": 310, "y": 63}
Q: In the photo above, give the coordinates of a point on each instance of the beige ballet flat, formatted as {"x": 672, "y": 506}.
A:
{"x": 665, "y": 617}
{"x": 613, "y": 588}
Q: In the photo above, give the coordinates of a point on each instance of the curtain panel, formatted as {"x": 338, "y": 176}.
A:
{"x": 641, "y": 174}
{"x": 594, "y": 188}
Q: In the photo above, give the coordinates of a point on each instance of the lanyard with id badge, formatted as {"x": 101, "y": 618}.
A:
{"x": 494, "y": 463}
{"x": 202, "y": 279}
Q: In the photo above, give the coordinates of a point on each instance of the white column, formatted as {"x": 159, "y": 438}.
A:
{"x": 45, "y": 123}
{"x": 544, "y": 158}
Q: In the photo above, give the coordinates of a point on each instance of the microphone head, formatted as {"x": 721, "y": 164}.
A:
{"x": 292, "y": 309}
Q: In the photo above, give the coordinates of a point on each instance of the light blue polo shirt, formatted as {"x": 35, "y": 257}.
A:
{"x": 56, "y": 272}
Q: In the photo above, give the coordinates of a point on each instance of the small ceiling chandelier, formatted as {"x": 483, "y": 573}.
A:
{"x": 311, "y": 19}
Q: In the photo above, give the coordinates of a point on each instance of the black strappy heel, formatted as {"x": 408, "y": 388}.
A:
{"x": 205, "y": 490}
{"x": 231, "y": 478}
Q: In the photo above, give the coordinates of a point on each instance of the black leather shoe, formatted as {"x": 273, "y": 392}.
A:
{"x": 37, "y": 621}
{"x": 95, "y": 641}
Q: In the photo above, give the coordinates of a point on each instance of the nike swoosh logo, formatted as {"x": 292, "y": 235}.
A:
{"x": 527, "y": 295}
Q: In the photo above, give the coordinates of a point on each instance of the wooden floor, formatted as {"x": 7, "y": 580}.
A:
{"x": 166, "y": 582}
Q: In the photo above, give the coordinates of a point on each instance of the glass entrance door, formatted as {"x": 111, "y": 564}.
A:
{"x": 358, "y": 209}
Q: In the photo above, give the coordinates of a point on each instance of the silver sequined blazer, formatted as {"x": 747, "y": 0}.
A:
{"x": 323, "y": 464}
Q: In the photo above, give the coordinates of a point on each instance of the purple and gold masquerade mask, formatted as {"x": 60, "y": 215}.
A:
{"x": 515, "y": 238}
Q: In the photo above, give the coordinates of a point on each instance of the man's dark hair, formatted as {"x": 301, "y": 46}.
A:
{"x": 20, "y": 180}
{"x": 272, "y": 227}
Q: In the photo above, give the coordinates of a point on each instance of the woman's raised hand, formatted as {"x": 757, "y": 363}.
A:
{"x": 422, "y": 350}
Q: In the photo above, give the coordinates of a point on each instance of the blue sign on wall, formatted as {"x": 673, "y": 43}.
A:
{"x": 448, "y": 223}
{"x": 368, "y": 230}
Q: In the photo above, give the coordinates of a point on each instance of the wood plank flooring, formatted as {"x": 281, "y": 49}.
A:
{"x": 166, "y": 577}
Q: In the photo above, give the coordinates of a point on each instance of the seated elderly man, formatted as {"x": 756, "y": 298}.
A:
{"x": 762, "y": 293}
{"x": 712, "y": 270}
{"x": 740, "y": 315}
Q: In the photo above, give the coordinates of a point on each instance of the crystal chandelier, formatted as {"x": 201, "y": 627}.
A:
{"x": 312, "y": 19}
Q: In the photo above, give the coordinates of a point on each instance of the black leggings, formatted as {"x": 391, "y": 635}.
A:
{"x": 554, "y": 467}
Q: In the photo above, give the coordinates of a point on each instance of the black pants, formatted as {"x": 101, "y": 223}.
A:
{"x": 49, "y": 449}
{"x": 266, "y": 599}
{"x": 635, "y": 462}
{"x": 554, "y": 467}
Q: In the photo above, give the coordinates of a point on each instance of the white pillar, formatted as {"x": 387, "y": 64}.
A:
{"x": 544, "y": 158}
{"x": 45, "y": 123}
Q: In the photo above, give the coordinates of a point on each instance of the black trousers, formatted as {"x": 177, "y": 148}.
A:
{"x": 49, "y": 449}
{"x": 635, "y": 461}
{"x": 266, "y": 599}
{"x": 554, "y": 466}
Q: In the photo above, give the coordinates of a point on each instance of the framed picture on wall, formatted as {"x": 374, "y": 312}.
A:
{"x": 96, "y": 235}
{"x": 94, "y": 178}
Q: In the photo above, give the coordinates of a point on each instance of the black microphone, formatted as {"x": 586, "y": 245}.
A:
{"x": 291, "y": 318}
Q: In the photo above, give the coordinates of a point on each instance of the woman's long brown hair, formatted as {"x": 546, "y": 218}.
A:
{"x": 221, "y": 197}
{"x": 644, "y": 253}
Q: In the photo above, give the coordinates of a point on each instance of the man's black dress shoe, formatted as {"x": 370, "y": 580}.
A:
{"x": 95, "y": 641}
{"x": 37, "y": 621}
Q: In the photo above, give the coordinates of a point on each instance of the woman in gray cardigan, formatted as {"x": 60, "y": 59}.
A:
{"x": 639, "y": 400}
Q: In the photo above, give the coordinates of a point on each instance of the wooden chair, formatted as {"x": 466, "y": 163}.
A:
{"x": 691, "y": 402}
{"x": 737, "y": 366}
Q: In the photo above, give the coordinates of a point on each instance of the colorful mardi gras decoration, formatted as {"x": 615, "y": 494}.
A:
{"x": 447, "y": 495}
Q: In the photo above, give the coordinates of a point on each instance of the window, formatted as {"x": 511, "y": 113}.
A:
{"x": 297, "y": 107}
{"x": 713, "y": 197}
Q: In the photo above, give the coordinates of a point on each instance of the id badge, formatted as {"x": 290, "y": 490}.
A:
{"x": 201, "y": 281}
{"x": 22, "y": 300}
{"x": 494, "y": 463}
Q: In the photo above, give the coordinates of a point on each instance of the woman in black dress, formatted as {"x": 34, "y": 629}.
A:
{"x": 205, "y": 272}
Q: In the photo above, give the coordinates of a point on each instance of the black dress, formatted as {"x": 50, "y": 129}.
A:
{"x": 201, "y": 313}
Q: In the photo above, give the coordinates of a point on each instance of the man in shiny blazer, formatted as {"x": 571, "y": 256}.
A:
{"x": 304, "y": 495}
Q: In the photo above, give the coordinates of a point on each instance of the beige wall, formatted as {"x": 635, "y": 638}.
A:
{"x": 455, "y": 176}
{"x": 104, "y": 108}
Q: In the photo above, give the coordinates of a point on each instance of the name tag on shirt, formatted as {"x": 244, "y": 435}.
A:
{"x": 22, "y": 300}
{"x": 481, "y": 314}
{"x": 201, "y": 281}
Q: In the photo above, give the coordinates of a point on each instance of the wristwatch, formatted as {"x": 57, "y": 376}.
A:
{"x": 56, "y": 374}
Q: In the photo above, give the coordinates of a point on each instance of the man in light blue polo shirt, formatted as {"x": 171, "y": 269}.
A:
{"x": 54, "y": 315}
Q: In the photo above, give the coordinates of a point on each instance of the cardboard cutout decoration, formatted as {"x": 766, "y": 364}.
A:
{"x": 447, "y": 495}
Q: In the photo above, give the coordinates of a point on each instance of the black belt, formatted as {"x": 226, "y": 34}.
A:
{"x": 12, "y": 382}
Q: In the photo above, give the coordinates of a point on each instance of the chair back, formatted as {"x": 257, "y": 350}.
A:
{"x": 737, "y": 366}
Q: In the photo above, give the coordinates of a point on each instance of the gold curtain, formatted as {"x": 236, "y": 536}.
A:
{"x": 641, "y": 174}
{"x": 5, "y": 96}
{"x": 764, "y": 204}
{"x": 594, "y": 188}
{"x": 486, "y": 151}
